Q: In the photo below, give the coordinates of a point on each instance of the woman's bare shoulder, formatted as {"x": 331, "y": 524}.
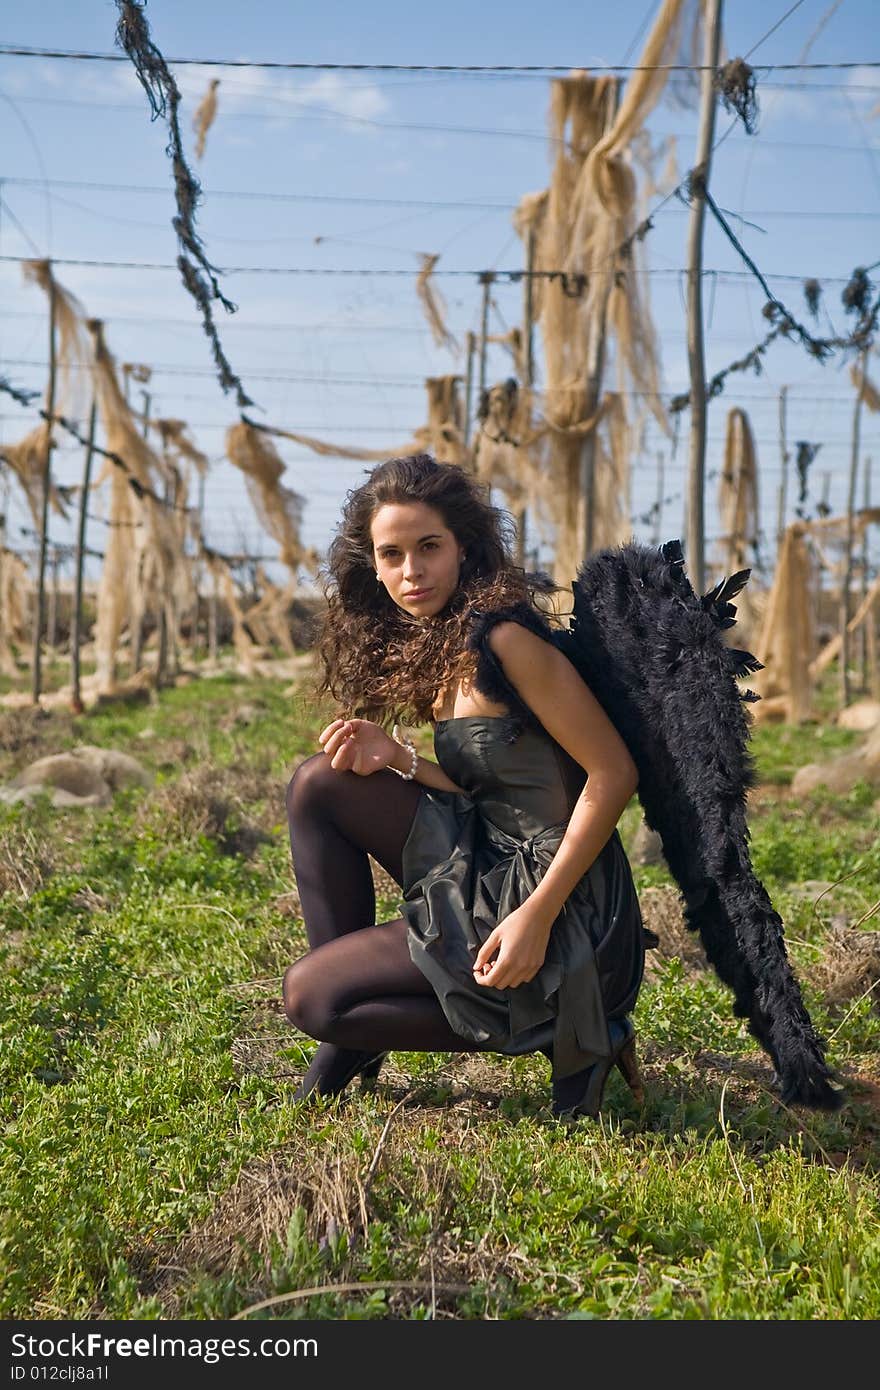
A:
{"x": 509, "y": 636}
{"x": 520, "y": 650}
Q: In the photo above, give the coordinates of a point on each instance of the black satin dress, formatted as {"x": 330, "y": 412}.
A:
{"x": 470, "y": 859}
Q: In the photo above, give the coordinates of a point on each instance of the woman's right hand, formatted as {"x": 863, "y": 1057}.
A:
{"x": 357, "y": 745}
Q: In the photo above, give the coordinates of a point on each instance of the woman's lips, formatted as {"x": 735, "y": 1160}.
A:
{"x": 418, "y": 593}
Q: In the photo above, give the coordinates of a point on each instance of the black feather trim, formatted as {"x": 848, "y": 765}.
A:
{"x": 726, "y": 589}
{"x": 489, "y": 678}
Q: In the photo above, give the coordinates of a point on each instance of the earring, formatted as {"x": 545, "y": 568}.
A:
{"x": 378, "y": 580}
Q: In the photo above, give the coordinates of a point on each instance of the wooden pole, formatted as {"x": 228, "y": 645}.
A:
{"x": 521, "y": 514}
{"x": 212, "y": 621}
{"x": 469, "y": 386}
{"x": 52, "y": 621}
{"x": 586, "y": 484}
{"x": 658, "y": 510}
{"x": 172, "y": 607}
{"x": 76, "y": 624}
{"x": 196, "y": 641}
{"x": 873, "y": 663}
{"x": 486, "y": 279}
{"x": 164, "y": 635}
{"x": 848, "y": 543}
{"x": 696, "y": 528}
{"x": 784, "y": 457}
{"x": 864, "y": 630}
{"x": 137, "y": 634}
{"x": 3, "y": 505}
{"x": 36, "y": 672}
{"x": 529, "y": 308}
{"x": 858, "y": 619}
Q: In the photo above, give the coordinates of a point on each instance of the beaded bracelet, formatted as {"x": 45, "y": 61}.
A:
{"x": 406, "y": 742}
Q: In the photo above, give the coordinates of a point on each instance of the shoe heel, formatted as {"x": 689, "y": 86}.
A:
{"x": 591, "y": 1082}
{"x": 582, "y": 1093}
{"x": 370, "y": 1071}
{"x": 332, "y": 1068}
{"x": 591, "y": 1102}
{"x": 628, "y": 1065}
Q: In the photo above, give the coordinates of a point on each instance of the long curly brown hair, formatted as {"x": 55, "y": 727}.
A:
{"x": 380, "y": 662}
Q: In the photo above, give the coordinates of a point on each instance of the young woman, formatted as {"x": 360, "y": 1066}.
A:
{"x": 521, "y": 929}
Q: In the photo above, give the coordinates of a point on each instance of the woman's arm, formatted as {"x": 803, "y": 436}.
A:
{"x": 549, "y": 684}
{"x": 358, "y": 745}
{"x": 429, "y": 773}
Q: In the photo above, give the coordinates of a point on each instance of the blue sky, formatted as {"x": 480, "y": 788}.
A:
{"x": 344, "y": 357}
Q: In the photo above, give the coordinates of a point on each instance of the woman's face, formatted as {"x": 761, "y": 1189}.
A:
{"x": 417, "y": 557}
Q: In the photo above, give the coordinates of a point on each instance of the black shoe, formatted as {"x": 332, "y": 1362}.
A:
{"x": 581, "y": 1094}
{"x": 332, "y": 1068}
{"x": 370, "y": 1070}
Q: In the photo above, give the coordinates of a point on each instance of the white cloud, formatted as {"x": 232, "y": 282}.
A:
{"x": 349, "y": 98}
{"x": 239, "y": 142}
{"x": 251, "y": 91}
{"x": 258, "y": 91}
{"x": 866, "y": 103}
{"x": 857, "y": 96}
{"x": 787, "y": 104}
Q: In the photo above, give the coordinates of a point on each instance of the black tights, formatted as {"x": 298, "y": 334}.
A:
{"x": 357, "y": 987}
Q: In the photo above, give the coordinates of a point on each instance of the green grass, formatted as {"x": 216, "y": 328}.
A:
{"x": 152, "y": 1162}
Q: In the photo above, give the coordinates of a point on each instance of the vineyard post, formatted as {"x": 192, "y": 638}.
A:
{"x": 848, "y": 542}
{"x": 595, "y": 367}
{"x": 469, "y": 386}
{"x": 76, "y": 622}
{"x": 696, "y": 522}
{"x": 137, "y": 634}
{"x": 486, "y": 279}
{"x": 196, "y": 643}
{"x": 529, "y": 363}
{"x": 161, "y": 614}
{"x": 36, "y": 672}
{"x": 52, "y": 621}
{"x": 3, "y": 505}
{"x": 658, "y": 514}
{"x": 868, "y": 628}
{"x": 212, "y": 620}
{"x": 173, "y": 620}
{"x": 784, "y": 460}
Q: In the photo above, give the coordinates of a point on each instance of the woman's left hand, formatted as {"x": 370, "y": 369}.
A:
{"x": 519, "y": 947}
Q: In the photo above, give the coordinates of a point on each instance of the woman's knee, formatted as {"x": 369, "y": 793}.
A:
{"x": 302, "y": 1004}
{"x": 309, "y": 784}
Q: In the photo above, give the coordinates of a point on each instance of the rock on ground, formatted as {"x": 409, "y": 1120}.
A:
{"x": 86, "y": 776}
{"x": 862, "y": 715}
{"x": 841, "y": 774}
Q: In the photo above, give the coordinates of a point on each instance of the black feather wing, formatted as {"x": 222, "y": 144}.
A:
{"x": 652, "y": 653}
